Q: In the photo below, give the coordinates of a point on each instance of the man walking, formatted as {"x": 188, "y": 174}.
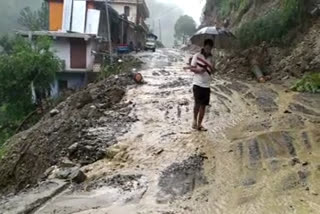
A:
{"x": 202, "y": 68}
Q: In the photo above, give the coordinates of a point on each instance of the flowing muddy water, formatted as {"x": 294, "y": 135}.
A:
{"x": 260, "y": 155}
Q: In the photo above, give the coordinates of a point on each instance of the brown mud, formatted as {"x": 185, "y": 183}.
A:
{"x": 260, "y": 155}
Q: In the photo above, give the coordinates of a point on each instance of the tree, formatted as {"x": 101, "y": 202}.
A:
{"x": 35, "y": 20}
{"x": 184, "y": 28}
{"x": 26, "y": 64}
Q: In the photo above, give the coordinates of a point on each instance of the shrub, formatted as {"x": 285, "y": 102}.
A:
{"x": 274, "y": 26}
{"x": 23, "y": 65}
{"x": 309, "y": 83}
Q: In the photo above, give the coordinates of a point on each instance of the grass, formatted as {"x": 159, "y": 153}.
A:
{"x": 3, "y": 151}
{"x": 309, "y": 83}
{"x": 274, "y": 26}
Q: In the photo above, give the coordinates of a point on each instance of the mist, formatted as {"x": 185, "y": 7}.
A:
{"x": 9, "y": 13}
{"x": 168, "y": 14}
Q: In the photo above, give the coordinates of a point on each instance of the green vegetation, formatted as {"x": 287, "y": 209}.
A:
{"x": 3, "y": 150}
{"x": 309, "y": 83}
{"x": 226, "y": 7}
{"x": 35, "y": 20}
{"x": 184, "y": 28}
{"x": 10, "y": 10}
{"x": 274, "y": 26}
{"x": 23, "y": 65}
{"x": 120, "y": 66}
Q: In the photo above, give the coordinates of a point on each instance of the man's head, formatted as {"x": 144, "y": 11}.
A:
{"x": 208, "y": 45}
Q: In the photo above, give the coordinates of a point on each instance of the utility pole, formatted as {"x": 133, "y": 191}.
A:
{"x": 109, "y": 31}
{"x": 153, "y": 26}
{"x": 160, "y": 32}
{"x": 122, "y": 31}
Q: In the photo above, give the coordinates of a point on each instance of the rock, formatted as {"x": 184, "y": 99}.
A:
{"x": 67, "y": 163}
{"x": 77, "y": 176}
{"x": 64, "y": 173}
{"x": 112, "y": 152}
{"x": 73, "y": 174}
{"x": 73, "y": 147}
{"x": 306, "y": 163}
{"x": 54, "y": 112}
{"x": 47, "y": 173}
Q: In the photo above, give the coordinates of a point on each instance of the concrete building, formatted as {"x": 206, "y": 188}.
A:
{"x": 78, "y": 41}
{"x": 80, "y": 35}
{"x": 136, "y": 12}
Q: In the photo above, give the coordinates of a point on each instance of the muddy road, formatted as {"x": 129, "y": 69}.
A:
{"x": 260, "y": 155}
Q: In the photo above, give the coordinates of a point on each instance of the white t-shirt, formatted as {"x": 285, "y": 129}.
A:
{"x": 200, "y": 79}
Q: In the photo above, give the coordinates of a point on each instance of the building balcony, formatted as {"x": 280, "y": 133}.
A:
{"x": 143, "y": 25}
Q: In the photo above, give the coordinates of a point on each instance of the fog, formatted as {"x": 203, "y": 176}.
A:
{"x": 167, "y": 13}
{"x": 10, "y": 10}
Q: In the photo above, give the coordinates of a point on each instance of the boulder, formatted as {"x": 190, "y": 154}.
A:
{"x": 77, "y": 176}
{"x": 54, "y": 112}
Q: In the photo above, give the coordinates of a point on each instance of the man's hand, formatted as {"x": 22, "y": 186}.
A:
{"x": 198, "y": 70}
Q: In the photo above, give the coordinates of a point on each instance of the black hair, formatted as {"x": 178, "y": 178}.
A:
{"x": 208, "y": 42}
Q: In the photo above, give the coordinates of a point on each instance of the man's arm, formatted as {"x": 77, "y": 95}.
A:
{"x": 194, "y": 67}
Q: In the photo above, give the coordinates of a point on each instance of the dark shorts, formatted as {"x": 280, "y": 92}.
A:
{"x": 201, "y": 95}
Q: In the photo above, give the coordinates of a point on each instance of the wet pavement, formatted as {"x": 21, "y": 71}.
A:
{"x": 260, "y": 155}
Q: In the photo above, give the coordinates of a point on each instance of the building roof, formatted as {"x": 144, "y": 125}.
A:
{"x": 56, "y": 34}
{"x": 139, "y": 2}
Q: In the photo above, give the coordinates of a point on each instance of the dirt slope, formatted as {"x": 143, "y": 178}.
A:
{"x": 70, "y": 130}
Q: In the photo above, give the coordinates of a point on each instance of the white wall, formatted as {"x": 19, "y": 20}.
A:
{"x": 61, "y": 48}
{"x": 91, "y": 45}
{"x": 119, "y": 7}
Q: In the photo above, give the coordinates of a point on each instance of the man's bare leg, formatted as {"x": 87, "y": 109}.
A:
{"x": 195, "y": 116}
{"x": 202, "y": 111}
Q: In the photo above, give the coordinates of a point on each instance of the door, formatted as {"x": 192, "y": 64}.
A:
{"x": 78, "y": 53}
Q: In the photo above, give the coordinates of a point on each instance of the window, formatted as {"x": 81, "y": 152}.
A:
{"x": 127, "y": 11}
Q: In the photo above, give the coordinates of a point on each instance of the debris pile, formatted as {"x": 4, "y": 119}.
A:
{"x": 80, "y": 129}
{"x": 284, "y": 63}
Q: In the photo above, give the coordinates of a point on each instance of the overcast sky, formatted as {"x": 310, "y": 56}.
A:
{"x": 168, "y": 11}
{"x": 190, "y": 7}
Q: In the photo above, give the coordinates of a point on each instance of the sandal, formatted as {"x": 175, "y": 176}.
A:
{"x": 202, "y": 129}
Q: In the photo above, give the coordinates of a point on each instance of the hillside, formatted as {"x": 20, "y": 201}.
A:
{"x": 290, "y": 29}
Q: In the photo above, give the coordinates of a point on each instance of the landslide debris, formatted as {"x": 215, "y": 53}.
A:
{"x": 282, "y": 63}
{"x": 80, "y": 129}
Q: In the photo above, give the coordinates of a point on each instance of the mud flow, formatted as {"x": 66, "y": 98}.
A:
{"x": 260, "y": 155}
